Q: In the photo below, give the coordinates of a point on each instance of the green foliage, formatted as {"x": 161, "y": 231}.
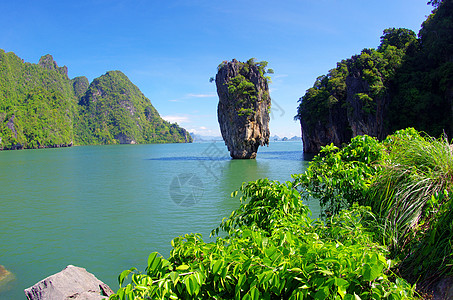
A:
{"x": 114, "y": 109}
{"x": 243, "y": 90}
{"x": 412, "y": 194}
{"x": 38, "y": 108}
{"x": 423, "y": 85}
{"x": 376, "y": 68}
{"x": 36, "y": 104}
{"x": 272, "y": 250}
{"x": 406, "y": 181}
{"x": 327, "y": 92}
{"x": 400, "y": 38}
{"x": 411, "y": 77}
{"x": 340, "y": 177}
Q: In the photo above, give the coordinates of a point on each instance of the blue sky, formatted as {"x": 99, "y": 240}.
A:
{"x": 170, "y": 49}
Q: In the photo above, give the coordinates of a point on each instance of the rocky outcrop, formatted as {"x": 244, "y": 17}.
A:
{"x": 5, "y": 278}
{"x": 364, "y": 118}
{"x": 243, "y": 109}
{"x": 336, "y": 130}
{"x": 71, "y": 283}
{"x": 47, "y": 62}
{"x": 80, "y": 85}
{"x": 351, "y": 100}
{"x": 119, "y": 113}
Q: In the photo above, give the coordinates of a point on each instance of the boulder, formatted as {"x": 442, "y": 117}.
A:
{"x": 244, "y": 105}
{"x": 71, "y": 283}
{"x": 5, "y": 278}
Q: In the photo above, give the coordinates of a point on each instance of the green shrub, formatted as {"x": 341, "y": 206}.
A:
{"x": 272, "y": 250}
{"x": 340, "y": 177}
{"x": 411, "y": 195}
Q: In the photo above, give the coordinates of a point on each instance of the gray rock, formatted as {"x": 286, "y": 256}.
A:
{"x": 71, "y": 283}
{"x": 348, "y": 117}
{"x": 243, "y": 112}
{"x": 6, "y": 277}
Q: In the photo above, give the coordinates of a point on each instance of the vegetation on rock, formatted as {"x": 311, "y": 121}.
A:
{"x": 406, "y": 181}
{"x": 113, "y": 110}
{"x": 405, "y": 82}
{"x": 37, "y": 104}
{"x": 244, "y": 104}
{"x": 41, "y": 107}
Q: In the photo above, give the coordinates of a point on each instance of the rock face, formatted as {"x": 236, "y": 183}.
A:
{"x": 345, "y": 103}
{"x": 47, "y": 62}
{"x": 335, "y": 130}
{"x": 71, "y": 283}
{"x": 5, "y": 278}
{"x": 361, "y": 119}
{"x": 243, "y": 109}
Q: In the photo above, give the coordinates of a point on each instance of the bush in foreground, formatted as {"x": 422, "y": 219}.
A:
{"x": 273, "y": 250}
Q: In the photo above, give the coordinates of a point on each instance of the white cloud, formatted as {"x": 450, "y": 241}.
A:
{"x": 200, "y": 95}
{"x": 279, "y": 76}
{"x": 204, "y": 131}
{"x": 177, "y": 119}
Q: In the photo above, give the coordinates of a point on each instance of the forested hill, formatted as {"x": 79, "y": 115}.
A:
{"x": 41, "y": 107}
{"x": 406, "y": 82}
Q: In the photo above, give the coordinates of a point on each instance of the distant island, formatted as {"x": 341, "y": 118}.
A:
{"x": 276, "y": 138}
{"x": 41, "y": 107}
{"x": 205, "y": 138}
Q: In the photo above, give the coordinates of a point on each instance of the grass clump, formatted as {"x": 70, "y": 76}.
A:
{"x": 412, "y": 196}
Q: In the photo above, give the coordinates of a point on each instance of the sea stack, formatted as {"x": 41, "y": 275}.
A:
{"x": 244, "y": 106}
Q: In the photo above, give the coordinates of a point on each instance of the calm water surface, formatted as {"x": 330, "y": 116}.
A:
{"x": 105, "y": 208}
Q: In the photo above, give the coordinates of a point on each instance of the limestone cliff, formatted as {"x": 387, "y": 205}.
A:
{"x": 350, "y": 100}
{"x": 405, "y": 82}
{"x": 244, "y": 104}
{"x": 80, "y": 85}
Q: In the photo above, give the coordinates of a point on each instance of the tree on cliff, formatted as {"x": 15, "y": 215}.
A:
{"x": 406, "y": 82}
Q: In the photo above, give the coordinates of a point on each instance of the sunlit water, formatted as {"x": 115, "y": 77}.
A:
{"x": 105, "y": 208}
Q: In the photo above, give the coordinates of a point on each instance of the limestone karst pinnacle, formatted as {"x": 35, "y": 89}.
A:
{"x": 243, "y": 109}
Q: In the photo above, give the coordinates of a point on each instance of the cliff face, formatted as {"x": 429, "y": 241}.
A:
{"x": 243, "y": 109}
{"x": 335, "y": 130}
{"x": 343, "y": 104}
{"x": 405, "y": 82}
{"x": 365, "y": 115}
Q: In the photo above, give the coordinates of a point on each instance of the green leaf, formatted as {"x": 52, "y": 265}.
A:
{"x": 153, "y": 261}
{"x": 124, "y": 274}
{"x": 216, "y": 266}
{"x": 190, "y": 285}
{"x": 174, "y": 276}
{"x": 254, "y": 293}
{"x": 182, "y": 267}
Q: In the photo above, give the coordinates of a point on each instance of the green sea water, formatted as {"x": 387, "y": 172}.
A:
{"x": 106, "y": 208}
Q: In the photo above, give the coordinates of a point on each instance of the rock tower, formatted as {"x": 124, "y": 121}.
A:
{"x": 244, "y": 105}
